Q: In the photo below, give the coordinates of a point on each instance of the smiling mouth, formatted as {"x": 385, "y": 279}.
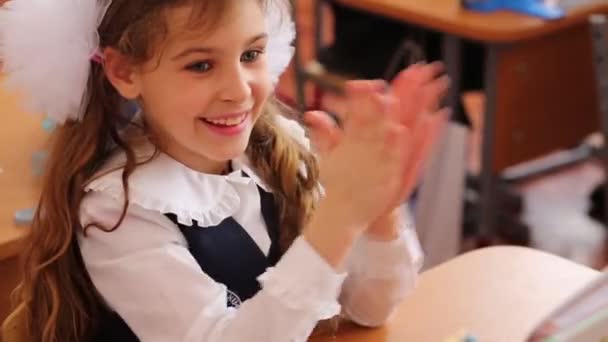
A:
{"x": 227, "y": 122}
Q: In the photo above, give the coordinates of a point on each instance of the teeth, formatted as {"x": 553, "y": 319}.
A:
{"x": 217, "y": 121}
{"x": 234, "y": 121}
{"x": 227, "y": 122}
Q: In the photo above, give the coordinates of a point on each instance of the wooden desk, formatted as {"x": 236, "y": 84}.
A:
{"x": 20, "y": 136}
{"x": 498, "y": 294}
{"x": 449, "y": 16}
{"x": 540, "y": 97}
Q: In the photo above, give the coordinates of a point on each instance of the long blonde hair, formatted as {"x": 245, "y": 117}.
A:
{"x": 60, "y": 301}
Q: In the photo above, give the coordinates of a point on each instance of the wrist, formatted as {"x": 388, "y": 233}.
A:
{"x": 386, "y": 227}
{"x": 330, "y": 236}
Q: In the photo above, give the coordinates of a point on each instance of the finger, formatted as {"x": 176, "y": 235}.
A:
{"x": 429, "y": 100}
{"x": 407, "y": 86}
{"x": 358, "y": 86}
{"x": 435, "y": 93}
{"x": 429, "y": 72}
{"x": 405, "y": 147}
{"x": 427, "y": 134}
{"x": 418, "y": 74}
{"x": 365, "y": 103}
{"x": 424, "y": 142}
{"x": 324, "y": 134}
{"x": 319, "y": 120}
{"x": 336, "y": 107}
{"x": 356, "y": 95}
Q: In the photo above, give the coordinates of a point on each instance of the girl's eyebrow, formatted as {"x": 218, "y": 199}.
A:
{"x": 201, "y": 49}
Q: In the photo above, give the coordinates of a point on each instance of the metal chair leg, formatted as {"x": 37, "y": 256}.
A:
{"x": 599, "y": 37}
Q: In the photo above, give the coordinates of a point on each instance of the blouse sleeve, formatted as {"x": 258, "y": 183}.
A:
{"x": 381, "y": 275}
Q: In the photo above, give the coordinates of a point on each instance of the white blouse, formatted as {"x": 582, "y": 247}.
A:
{"x": 145, "y": 273}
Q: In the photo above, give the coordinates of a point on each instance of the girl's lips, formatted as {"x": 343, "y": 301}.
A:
{"x": 227, "y": 125}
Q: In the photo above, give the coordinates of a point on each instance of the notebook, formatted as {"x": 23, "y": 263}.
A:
{"x": 583, "y": 318}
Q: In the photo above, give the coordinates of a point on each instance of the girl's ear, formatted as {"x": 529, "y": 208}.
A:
{"x": 121, "y": 72}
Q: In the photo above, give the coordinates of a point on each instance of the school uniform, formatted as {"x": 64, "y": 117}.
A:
{"x": 197, "y": 258}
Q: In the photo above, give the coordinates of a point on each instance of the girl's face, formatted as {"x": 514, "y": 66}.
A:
{"x": 204, "y": 91}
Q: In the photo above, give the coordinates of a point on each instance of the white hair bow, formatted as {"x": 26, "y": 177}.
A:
{"x": 47, "y": 45}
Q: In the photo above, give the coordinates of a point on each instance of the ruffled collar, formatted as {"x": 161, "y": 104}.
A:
{"x": 165, "y": 185}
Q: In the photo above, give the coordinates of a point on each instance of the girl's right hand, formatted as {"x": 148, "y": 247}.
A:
{"x": 371, "y": 166}
{"x": 367, "y": 170}
{"x": 363, "y": 175}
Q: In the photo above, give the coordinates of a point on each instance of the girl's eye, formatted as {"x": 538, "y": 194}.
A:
{"x": 251, "y": 56}
{"x": 199, "y": 67}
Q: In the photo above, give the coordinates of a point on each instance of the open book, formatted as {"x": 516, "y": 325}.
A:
{"x": 583, "y": 318}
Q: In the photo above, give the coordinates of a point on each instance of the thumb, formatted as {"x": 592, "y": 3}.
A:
{"x": 324, "y": 133}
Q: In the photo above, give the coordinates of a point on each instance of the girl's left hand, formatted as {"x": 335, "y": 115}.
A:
{"x": 421, "y": 110}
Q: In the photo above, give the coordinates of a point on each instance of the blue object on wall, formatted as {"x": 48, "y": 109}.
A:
{"x": 48, "y": 125}
{"x": 537, "y": 8}
{"x": 24, "y": 217}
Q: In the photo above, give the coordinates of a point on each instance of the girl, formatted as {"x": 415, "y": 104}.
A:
{"x": 200, "y": 217}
